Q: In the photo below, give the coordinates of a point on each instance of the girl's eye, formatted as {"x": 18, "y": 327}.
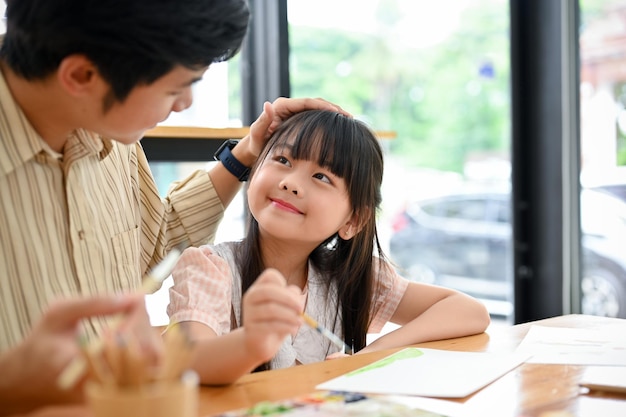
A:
{"x": 281, "y": 159}
{"x": 322, "y": 177}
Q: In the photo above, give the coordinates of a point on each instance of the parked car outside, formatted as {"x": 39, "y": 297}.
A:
{"x": 462, "y": 240}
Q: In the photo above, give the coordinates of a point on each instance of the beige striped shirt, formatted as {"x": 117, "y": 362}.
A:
{"x": 90, "y": 222}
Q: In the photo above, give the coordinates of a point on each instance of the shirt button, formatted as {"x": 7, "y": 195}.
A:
{"x": 81, "y": 235}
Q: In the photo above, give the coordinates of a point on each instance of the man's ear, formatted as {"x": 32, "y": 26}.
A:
{"x": 78, "y": 75}
{"x": 355, "y": 224}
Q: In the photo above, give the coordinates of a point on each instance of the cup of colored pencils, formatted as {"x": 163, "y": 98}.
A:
{"x": 122, "y": 383}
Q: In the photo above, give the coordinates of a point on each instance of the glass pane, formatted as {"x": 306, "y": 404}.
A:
{"x": 603, "y": 147}
{"x": 436, "y": 74}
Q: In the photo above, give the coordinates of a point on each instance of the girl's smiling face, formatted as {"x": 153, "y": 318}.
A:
{"x": 296, "y": 199}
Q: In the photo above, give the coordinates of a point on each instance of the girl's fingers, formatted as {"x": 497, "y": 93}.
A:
{"x": 274, "y": 291}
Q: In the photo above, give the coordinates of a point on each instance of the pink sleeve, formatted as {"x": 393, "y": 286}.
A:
{"x": 390, "y": 290}
{"x": 201, "y": 290}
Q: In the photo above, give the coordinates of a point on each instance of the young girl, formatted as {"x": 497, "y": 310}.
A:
{"x": 311, "y": 246}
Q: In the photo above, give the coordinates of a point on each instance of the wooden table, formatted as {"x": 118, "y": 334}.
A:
{"x": 530, "y": 390}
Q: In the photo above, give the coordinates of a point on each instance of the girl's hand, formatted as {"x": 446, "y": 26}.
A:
{"x": 271, "y": 311}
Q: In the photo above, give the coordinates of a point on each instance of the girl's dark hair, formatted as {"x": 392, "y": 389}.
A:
{"x": 131, "y": 42}
{"x": 349, "y": 149}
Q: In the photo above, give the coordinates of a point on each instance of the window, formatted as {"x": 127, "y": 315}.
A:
{"x": 470, "y": 209}
{"x": 437, "y": 74}
{"x": 603, "y": 157}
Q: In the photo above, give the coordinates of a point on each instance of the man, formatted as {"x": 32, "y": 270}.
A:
{"x": 80, "y": 83}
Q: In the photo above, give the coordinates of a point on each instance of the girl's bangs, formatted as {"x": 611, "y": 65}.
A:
{"x": 319, "y": 139}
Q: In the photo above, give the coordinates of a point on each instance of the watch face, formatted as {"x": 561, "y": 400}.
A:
{"x": 231, "y": 143}
{"x": 227, "y": 144}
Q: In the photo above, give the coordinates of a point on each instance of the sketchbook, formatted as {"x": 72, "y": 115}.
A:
{"x": 428, "y": 373}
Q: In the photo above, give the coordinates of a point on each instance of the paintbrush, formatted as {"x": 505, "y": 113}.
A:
{"x": 71, "y": 374}
{"x": 325, "y": 332}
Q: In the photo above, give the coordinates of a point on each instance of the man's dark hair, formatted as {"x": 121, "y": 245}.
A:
{"x": 131, "y": 42}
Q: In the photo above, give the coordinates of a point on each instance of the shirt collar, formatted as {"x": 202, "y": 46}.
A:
{"x": 84, "y": 142}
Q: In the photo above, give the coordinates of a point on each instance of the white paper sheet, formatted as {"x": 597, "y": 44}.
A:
{"x": 428, "y": 373}
{"x": 571, "y": 346}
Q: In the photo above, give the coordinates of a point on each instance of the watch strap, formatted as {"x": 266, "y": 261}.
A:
{"x": 232, "y": 164}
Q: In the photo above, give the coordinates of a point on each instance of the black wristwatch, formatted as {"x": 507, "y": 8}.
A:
{"x": 231, "y": 163}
